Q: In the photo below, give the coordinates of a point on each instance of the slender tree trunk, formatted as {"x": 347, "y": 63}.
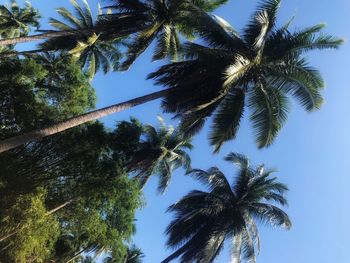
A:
{"x": 236, "y": 249}
{"x": 16, "y": 141}
{"x": 15, "y": 53}
{"x": 50, "y": 34}
{"x": 176, "y": 254}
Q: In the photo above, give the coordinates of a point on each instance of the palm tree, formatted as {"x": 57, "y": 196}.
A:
{"x": 92, "y": 50}
{"x": 165, "y": 19}
{"x": 257, "y": 69}
{"x": 161, "y": 151}
{"x": 134, "y": 255}
{"x": 205, "y": 220}
{"x": 16, "y": 21}
{"x": 81, "y": 28}
{"x": 264, "y": 65}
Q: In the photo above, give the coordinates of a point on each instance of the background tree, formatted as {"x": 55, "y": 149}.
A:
{"x": 92, "y": 50}
{"x": 36, "y": 93}
{"x": 205, "y": 220}
{"x": 160, "y": 152}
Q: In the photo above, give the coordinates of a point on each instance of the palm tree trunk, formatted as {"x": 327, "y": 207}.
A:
{"x": 236, "y": 249}
{"x": 16, "y": 141}
{"x": 50, "y": 34}
{"x": 176, "y": 254}
{"x": 16, "y": 53}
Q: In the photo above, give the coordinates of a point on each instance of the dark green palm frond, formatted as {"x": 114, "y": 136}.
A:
{"x": 227, "y": 118}
{"x": 138, "y": 46}
{"x": 262, "y": 22}
{"x": 282, "y": 43}
{"x": 213, "y": 178}
{"x": 84, "y": 14}
{"x": 238, "y": 159}
{"x": 214, "y": 33}
{"x": 269, "y": 112}
{"x": 163, "y": 43}
{"x": 301, "y": 81}
{"x": 208, "y": 5}
{"x": 270, "y": 214}
{"x": 93, "y": 50}
{"x": 160, "y": 152}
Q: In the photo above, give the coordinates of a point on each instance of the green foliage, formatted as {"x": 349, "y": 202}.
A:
{"x": 163, "y": 22}
{"x": 92, "y": 50}
{"x": 40, "y": 91}
{"x": 33, "y": 232}
{"x": 204, "y": 220}
{"x": 258, "y": 70}
{"x": 17, "y": 21}
{"x": 160, "y": 152}
{"x": 83, "y": 175}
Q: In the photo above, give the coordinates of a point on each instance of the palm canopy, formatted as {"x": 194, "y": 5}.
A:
{"x": 16, "y": 21}
{"x": 94, "y": 50}
{"x": 133, "y": 255}
{"x": 205, "y": 220}
{"x": 258, "y": 69}
{"x": 160, "y": 152}
{"x": 163, "y": 20}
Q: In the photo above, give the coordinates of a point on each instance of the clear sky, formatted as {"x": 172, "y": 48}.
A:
{"x": 310, "y": 153}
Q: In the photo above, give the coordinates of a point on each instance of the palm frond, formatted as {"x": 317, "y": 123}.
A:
{"x": 270, "y": 109}
{"x": 227, "y": 118}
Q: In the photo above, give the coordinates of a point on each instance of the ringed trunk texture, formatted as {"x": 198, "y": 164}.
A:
{"x": 16, "y": 141}
{"x": 236, "y": 249}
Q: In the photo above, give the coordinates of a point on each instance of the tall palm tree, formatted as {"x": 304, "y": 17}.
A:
{"x": 161, "y": 151}
{"x": 205, "y": 220}
{"x": 103, "y": 30}
{"x": 265, "y": 65}
{"x": 165, "y": 19}
{"x": 257, "y": 69}
{"x": 134, "y": 255}
{"x": 92, "y": 50}
{"x": 16, "y": 21}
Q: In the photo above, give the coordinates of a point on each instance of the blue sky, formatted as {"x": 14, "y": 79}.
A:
{"x": 310, "y": 153}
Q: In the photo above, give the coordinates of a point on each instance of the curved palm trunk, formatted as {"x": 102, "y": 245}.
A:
{"x": 51, "y": 34}
{"x": 176, "y": 254}
{"x": 15, "y": 53}
{"x": 236, "y": 249}
{"x": 16, "y": 141}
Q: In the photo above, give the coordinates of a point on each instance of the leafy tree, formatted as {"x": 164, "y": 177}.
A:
{"x": 88, "y": 190}
{"x": 257, "y": 69}
{"x": 205, "y": 220}
{"x": 160, "y": 152}
{"x": 28, "y": 230}
{"x": 35, "y": 93}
